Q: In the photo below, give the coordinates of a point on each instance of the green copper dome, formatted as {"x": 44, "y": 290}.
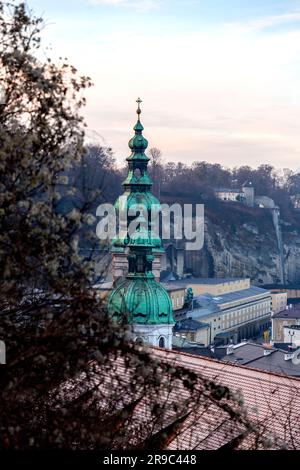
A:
{"x": 142, "y": 301}
{"x": 138, "y": 143}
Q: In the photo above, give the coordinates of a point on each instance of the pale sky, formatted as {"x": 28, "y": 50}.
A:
{"x": 219, "y": 79}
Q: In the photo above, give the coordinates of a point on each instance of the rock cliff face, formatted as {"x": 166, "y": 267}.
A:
{"x": 242, "y": 242}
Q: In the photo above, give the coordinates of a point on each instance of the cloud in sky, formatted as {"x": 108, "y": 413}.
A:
{"x": 138, "y": 5}
{"x": 270, "y": 21}
{"x": 222, "y": 92}
{"x": 218, "y": 95}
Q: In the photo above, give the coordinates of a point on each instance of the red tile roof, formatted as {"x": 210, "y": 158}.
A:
{"x": 272, "y": 400}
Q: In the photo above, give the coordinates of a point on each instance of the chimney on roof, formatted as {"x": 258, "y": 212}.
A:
{"x": 288, "y": 356}
{"x": 267, "y": 352}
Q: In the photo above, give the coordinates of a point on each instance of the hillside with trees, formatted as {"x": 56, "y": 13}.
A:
{"x": 194, "y": 183}
{"x": 237, "y": 236}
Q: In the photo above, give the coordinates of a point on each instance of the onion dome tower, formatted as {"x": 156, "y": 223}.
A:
{"x": 137, "y": 191}
{"x": 138, "y": 299}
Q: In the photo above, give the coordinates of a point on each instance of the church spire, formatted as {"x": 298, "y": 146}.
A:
{"x": 138, "y": 296}
{"x": 138, "y": 178}
{"x": 137, "y": 192}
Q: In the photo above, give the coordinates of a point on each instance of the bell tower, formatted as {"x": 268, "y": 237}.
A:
{"x": 137, "y": 191}
{"x": 138, "y": 298}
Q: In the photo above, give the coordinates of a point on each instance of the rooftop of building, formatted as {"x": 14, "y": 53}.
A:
{"x": 237, "y": 367}
{"x": 236, "y": 295}
{"x": 260, "y": 357}
{"x": 204, "y": 281}
{"x": 208, "y": 304}
{"x": 188, "y": 324}
{"x": 289, "y": 313}
{"x": 256, "y": 356}
{"x": 270, "y": 397}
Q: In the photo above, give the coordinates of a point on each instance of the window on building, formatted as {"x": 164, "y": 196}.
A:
{"x": 193, "y": 337}
{"x": 161, "y": 342}
{"x": 137, "y": 173}
{"x": 140, "y": 264}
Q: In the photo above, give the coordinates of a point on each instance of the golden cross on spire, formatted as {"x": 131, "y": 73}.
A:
{"x": 139, "y": 101}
